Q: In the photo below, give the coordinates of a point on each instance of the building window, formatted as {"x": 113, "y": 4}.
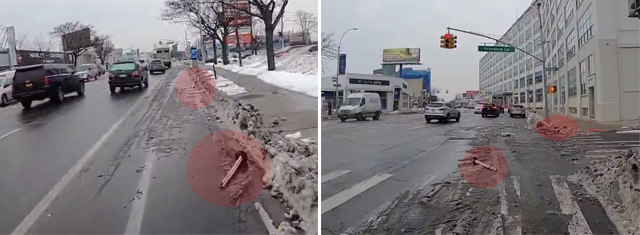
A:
{"x": 561, "y": 89}
{"x": 571, "y": 45}
{"x": 538, "y": 77}
{"x": 530, "y": 96}
{"x": 528, "y": 34}
{"x": 561, "y": 56}
{"x": 537, "y": 43}
{"x": 515, "y": 71}
{"x": 537, "y": 63}
{"x": 521, "y": 39}
{"x": 571, "y": 76}
{"x": 536, "y": 27}
{"x": 592, "y": 66}
{"x": 585, "y": 27}
{"x": 530, "y": 64}
{"x": 554, "y": 62}
{"x": 521, "y": 67}
{"x": 530, "y": 79}
{"x": 539, "y": 95}
{"x": 515, "y": 84}
{"x": 553, "y": 39}
{"x": 529, "y": 47}
{"x": 583, "y": 76}
{"x": 522, "y": 94}
{"x": 521, "y": 55}
{"x": 568, "y": 12}
{"x": 515, "y": 98}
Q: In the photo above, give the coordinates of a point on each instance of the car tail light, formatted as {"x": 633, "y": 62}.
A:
{"x": 135, "y": 74}
{"x": 494, "y": 108}
{"x": 111, "y": 76}
{"x": 46, "y": 81}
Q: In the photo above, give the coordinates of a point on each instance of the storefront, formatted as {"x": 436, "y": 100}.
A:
{"x": 393, "y": 91}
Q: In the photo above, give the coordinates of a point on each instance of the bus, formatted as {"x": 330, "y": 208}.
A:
{"x": 164, "y": 53}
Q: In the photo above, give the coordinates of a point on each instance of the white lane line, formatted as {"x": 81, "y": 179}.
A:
{"x": 578, "y": 224}
{"x": 516, "y": 185}
{"x": 333, "y": 175}
{"x": 266, "y": 220}
{"x": 418, "y": 127}
{"x": 10, "y": 132}
{"x": 431, "y": 177}
{"x": 511, "y": 225}
{"x": 350, "y": 193}
{"x": 134, "y": 224}
{"x": 615, "y": 142}
{"x": 26, "y": 223}
{"x": 504, "y": 209}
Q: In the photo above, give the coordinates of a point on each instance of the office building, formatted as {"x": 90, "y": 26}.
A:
{"x": 592, "y": 51}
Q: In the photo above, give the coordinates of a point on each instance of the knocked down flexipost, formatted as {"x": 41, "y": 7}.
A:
{"x": 241, "y": 157}
{"x": 476, "y": 161}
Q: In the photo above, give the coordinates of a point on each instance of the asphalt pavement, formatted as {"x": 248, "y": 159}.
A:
{"x": 401, "y": 175}
{"x": 111, "y": 164}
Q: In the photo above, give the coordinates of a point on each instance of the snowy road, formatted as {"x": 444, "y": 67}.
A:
{"x": 376, "y": 174}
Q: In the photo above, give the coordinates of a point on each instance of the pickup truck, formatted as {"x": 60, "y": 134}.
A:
{"x": 42, "y": 81}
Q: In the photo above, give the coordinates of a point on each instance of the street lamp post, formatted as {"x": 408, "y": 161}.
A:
{"x": 544, "y": 64}
{"x": 338, "y": 72}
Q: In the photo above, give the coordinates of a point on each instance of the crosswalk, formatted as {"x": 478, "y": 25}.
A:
{"x": 599, "y": 148}
{"x": 512, "y": 218}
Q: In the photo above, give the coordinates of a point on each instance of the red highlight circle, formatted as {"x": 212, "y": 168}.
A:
{"x": 215, "y": 155}
{"x": 562, "y": 127}
{"x": 479, "y": 176}
{"x": 195, "y": 88}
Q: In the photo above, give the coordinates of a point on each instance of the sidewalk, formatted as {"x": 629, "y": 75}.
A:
{"x": 585, "y": 124}
{"x": 300, "y": 111}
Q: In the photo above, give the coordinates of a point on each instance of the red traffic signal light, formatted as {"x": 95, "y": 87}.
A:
{"x": 447, "y": 36}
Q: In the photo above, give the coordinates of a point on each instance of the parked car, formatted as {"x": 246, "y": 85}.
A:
{"x": 360, "y": 106}
{"x": 157, "y": 66}
{"x": 490, "y": 109}
{"x": 478, "y": 108}
{"x": 6, "y": 89}
{"x": 444, "y": 112}
{"x": 101, "y": 70}
{"x": 125, "y": 74}
{"x": 42, "y": 81}
{"x": 87, "y": 71}
{"x": 517, "y": 110}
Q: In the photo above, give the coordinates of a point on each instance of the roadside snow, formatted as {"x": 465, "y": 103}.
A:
{"x": 296, "y": 69}
{"x": 628, "y": 132}
{"x": 228, "y": 86}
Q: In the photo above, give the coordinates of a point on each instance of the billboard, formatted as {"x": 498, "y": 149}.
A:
{"x": 245, "y": 38}
{"x": 235, "y": 13}
{"x": 26, "y": 58}
{"x": 401, "y": 55}
{"x": 76, "y": 40}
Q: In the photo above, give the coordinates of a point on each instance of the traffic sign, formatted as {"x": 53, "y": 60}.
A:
{"x": 336, "y": 85}
{"x": 496, "y": 49}
{"x": 552, "y": 69}
{"x": 194, "y": 53}
{"x": 342, "y": 64}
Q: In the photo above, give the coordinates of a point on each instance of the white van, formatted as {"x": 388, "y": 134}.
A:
{"x": 360, "y": 106}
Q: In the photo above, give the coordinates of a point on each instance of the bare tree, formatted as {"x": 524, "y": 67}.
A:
{"x": 257, "y": 34}
{"x": 20, "y": 41}
{"x": 308, "y": 23}
{"x": 270, "y": 12}
{"x": 42, "y": 42}
{"x": 205, "y": 15}
{"x": 328, "y": 49}
{"x": 74, "y": 44}
{"x": 103, "y": 47}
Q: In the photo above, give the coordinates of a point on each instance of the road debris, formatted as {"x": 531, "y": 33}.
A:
{"x": 241, "y": 155}
{"x": 476, "y": 161}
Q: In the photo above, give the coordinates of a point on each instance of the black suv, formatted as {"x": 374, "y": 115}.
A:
{"x": 38, "y": 82}
{"x": 127, "y": 74}
{"x": 490, "y": 109}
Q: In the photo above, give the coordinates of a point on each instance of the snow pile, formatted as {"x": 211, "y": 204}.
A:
{"x": 296, "y": 69}
{"x": 227, "y": 86}
{"x": 294, "y": 163}
{"x": 615, "y": 182}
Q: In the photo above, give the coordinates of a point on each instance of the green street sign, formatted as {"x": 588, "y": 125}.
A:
{"x": 496, "y": 49}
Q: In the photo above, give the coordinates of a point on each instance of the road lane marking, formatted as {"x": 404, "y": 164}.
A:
{"x": 431, "y": 177}
{"x": 597, "y": 156}
{"x": 104, "y": 90}
{"x": 31, "y": 218}
{"x": 516, "y": 185}
{"x": 616, "y": 146}
{"x": 333, "y": 175}
{"x": 614, "y": 142}
{"x": 511, "y": 224}
{"x": 605, "y": 151}
{"x": 348, "y": 194}
{"x": 11, "y": 132}
{"x": 134, "y": 225}
{"x": 577, "y": 224}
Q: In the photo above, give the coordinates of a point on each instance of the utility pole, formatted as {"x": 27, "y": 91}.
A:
{"x": 544, "y": 64}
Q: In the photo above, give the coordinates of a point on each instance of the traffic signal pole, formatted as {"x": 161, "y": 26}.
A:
{"x": 544, "y": 65}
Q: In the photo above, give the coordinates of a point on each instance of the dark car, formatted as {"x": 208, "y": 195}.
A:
{"x": 39, "y": 82}
{"x": 127, "y": 74}
{"x": 157, "y": 66}
{"x": 490, "y": 109}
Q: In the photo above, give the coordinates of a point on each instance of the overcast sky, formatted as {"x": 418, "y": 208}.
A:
{"x": 419, "y": 23}
{"x": 131, "y": 23}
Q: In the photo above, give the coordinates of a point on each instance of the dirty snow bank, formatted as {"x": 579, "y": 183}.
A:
{"x": 615, "y": 182}
{"x": 294, "y": 163}
{"x": 296, "y": 69}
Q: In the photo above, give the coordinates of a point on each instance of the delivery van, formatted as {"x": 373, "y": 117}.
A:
{"x": 361, "y": 106}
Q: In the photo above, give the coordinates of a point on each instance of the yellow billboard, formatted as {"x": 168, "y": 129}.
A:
{"x": 401, "y": 55}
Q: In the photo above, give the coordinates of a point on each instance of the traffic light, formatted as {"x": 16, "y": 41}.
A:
{"x": 453, "y": 41}
{"x": 444, "y": 41}
{"x": 552, "y": 89}
{"x": 447, "y": 91}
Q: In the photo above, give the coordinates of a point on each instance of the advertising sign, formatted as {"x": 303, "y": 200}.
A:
{"x": 245, "y": 38}
{"x": 401, "y": 55}
{"x": 76, "y": 40}
{"x": 26, "y": 58}
{"x": 194, "y": 53}
{"x": 236, "y": 13}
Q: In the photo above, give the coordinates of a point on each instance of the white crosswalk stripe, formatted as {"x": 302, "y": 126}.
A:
{"x": 346, "y": 195}
{"x": 599, "y": 148}
{"x": 578, "y": 224}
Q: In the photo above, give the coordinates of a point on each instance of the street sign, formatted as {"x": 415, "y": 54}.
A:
{"x": 336, "y": 85}
{"x": 342, "y": 64}
{"x": 194, "y": 53}
{"x": 554, "y": 69}
{"x": 334, "y": 79}
{"x": 496, "y": 49}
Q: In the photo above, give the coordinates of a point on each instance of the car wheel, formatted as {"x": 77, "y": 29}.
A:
{"x": 511, "y": 115}
{"x": 4, "y": 101}
{"x": 112, "y": 89}
{"x": 342, "y": 119}
{"x": 26, "y": 104}
{"x": 497, "y": 114}
{"x": 140, "y": 85}
{"x": 377, "y": 116}
{"x": 447, "y": 118}
{"x": 58, "y": 96}
{"x": 146, "y": 83}
{"x": 427, "y": 119}
{"x": 80, "y": 90}
{"x": 360, "y": 118}
{"x": 458, "y": 117}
